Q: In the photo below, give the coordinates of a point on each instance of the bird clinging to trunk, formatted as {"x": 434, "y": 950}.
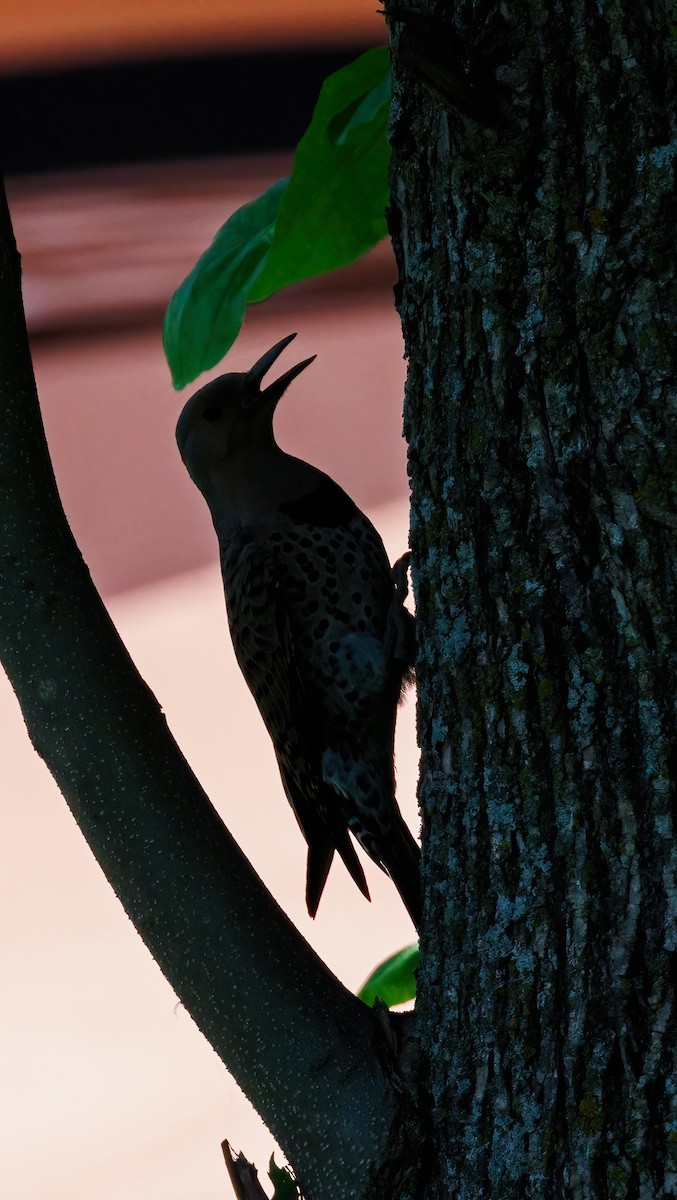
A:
{"x": 318, "y": 624}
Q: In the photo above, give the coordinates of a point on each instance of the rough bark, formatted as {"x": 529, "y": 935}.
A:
{"x": 312, "y": 1058}
{"x": 533, "y": 219}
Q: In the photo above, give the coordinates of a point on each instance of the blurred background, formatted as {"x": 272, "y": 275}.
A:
{"x": 130, "y": 131}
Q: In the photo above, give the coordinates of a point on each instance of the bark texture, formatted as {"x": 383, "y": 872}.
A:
{"x": 533, "y": 219}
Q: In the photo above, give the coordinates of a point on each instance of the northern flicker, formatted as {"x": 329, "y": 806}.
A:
{"x": 318, "y": 625}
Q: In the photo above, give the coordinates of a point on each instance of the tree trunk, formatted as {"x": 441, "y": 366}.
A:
{"x": 533, "y": 219}
{"x": 532, "y": 215}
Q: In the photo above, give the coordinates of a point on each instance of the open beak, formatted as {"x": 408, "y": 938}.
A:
{"x": 274, "y": 390}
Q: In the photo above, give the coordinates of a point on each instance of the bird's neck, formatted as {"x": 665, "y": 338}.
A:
{"x": 251, "y": 488}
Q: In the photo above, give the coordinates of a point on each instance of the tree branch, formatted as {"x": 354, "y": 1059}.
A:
{"x": 302, "y": 1048}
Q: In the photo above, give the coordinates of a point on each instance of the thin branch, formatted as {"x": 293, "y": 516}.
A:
{"x": 301, "y": 1047}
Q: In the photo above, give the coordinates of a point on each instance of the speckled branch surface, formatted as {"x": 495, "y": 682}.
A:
{"x": 301, "y": 1047}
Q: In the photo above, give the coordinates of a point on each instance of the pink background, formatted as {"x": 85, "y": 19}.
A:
{"x": 108, "y": 1090}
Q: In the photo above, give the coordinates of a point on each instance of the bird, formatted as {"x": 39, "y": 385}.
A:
{"x": 318, "y": 624}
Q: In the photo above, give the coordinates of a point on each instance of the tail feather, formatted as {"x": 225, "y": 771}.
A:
{"x": 403, "y": 863}
{"x": 347, "y": 851}
{"x": 320, "y": 855}
{"x": 400, "y": 858}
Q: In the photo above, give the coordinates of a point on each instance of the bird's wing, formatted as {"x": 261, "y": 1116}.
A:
{"x": 264, "y": 646}
{"x": 314, "y": 803}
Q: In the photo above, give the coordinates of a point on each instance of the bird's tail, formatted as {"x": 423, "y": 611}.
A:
{"x": 320, "y": 854}
{"x": 401, "y": 862}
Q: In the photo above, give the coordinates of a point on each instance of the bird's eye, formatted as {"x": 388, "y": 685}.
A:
{"x": 212, "y": 412}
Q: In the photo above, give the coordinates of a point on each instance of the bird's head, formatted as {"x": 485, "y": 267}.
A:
{"x": 231, "y": 415}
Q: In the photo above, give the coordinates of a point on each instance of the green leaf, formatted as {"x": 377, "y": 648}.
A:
{"x": 360, "y": 112}
{"x": 283, "y": 1181}
{"x": 394, "y": 981}
{"x": 330, "y": 211}
{"x": 206, "y": 312}
{"x": 334, "y": 207}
